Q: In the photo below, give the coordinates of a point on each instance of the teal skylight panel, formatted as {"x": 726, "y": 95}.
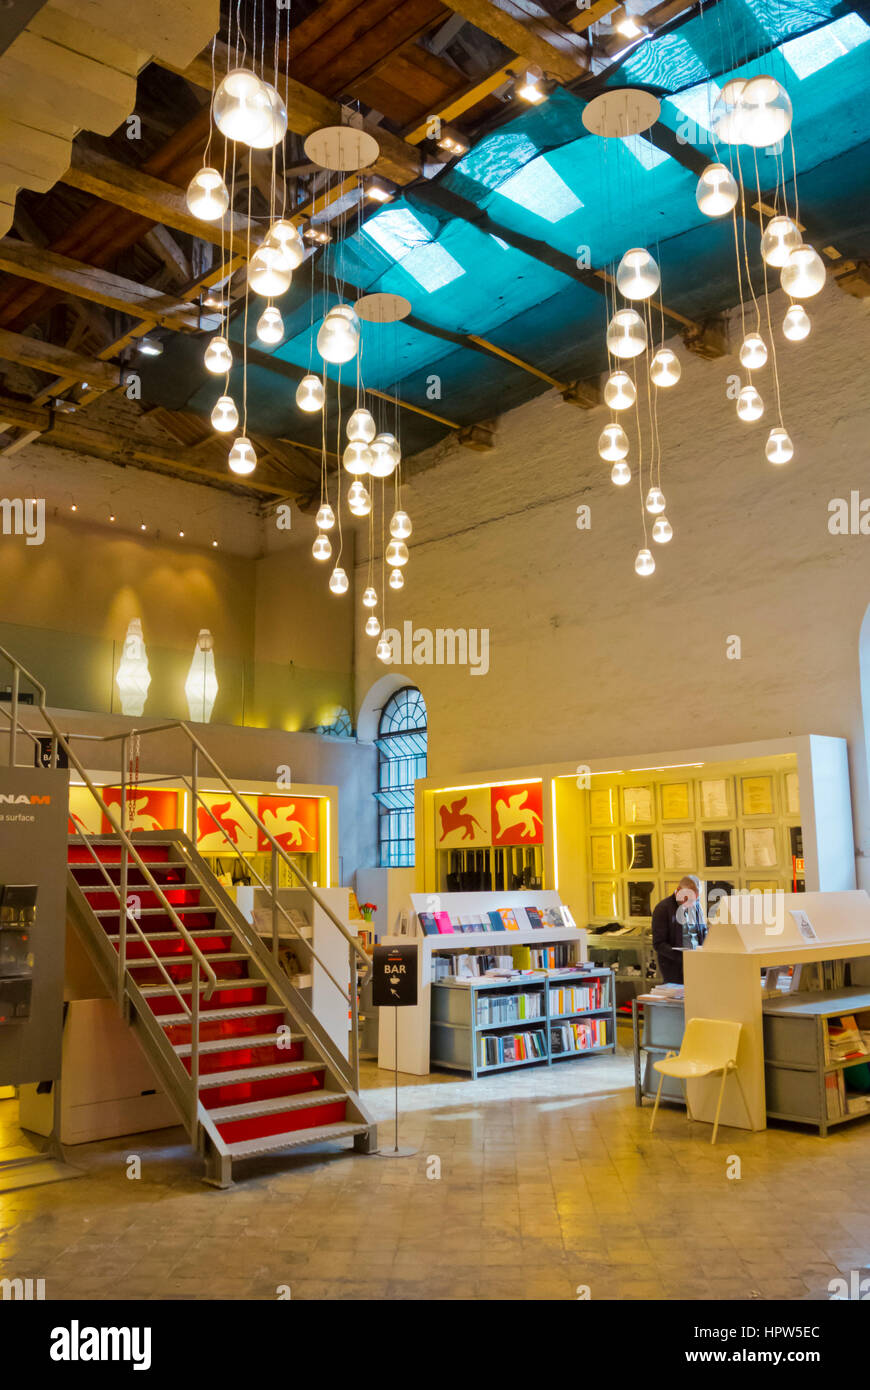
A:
{"x": 497, "y": 158}
{"x": 811, "y": 52}
{"x": 539, "y": 189}
{"x": 697, "y": 104}
{"x": 644, "y": 151}
{"x": 403, "y": 238}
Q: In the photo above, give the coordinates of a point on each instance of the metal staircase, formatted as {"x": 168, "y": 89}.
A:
{"x": 234, "y": 1043}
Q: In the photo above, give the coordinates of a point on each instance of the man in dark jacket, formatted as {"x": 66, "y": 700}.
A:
{"x": 677, "y": 925}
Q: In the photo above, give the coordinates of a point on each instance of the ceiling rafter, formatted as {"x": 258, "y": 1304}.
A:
{"x": 537, "y": 38}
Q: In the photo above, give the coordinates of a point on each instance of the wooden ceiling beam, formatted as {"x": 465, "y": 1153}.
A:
{"x": 71, "y": 432}
{"x": 555, "y": 49}
{"x": 57, "y": 361}
{"x": 97, "y": 285}
{"x": 308, "y": 111}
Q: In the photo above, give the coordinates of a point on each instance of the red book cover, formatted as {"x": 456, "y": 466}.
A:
{"x": 445, "y": 926}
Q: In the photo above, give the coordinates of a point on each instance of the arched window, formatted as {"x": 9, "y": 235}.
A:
{"x": 401, "y": 745}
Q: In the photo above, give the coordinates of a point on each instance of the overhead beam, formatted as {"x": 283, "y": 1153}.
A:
{"x": 308, "y": 111}
{"x": 542, "y": 41}
{"x": 97, "y": 285}
{"x": 159, "y": 201}
{"x": 69, "y": 432}
{"x": 57, "y": 361}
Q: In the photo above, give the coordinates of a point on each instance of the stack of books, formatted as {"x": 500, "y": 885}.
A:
{"x": 578, "y": 1037}
{"x": 499, "y": 919}
{"x": 496, "y": 1049}
{"x": 509, "y": 1008}
{"x": 843, "y": 1040}
{"x": 579, "y": 998}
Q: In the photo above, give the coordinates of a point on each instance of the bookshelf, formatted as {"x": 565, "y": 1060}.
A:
{"x": 472, "y": 1020}
{"x": 663, "y": 1024}
{"x": 803, "y": 1084}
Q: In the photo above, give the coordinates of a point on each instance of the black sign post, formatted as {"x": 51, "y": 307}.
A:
{"x": 394, "y": 986}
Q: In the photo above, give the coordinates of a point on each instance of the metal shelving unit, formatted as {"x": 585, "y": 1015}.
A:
{"x": 455, "y": 1012}
{"x": 795, "y": 1060}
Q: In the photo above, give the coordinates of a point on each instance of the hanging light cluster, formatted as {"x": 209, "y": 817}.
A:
{"x": 629, "y": 338}
{"x": 757, "y": 112}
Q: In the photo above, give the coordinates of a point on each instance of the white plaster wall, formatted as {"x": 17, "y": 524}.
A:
{"x": 586, "y": 658}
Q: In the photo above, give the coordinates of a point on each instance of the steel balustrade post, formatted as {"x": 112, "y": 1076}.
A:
{"x": 194, "y": 792}
{"x": 194, "y": 1047}
{"x": 354, "y": 1018}
{"x": 274, "y": 890}
{"x": 122, "y": 904}
{"x": 13, "y": 727}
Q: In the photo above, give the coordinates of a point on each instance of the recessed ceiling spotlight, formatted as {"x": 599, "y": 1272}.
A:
{"x": 142, "y": 526}
{"x": 318, "y": 234}
{"x": 214, "y": 543}
{"x": 181, "y": 535}
{"x": 378, "y": 192}
{"x": 112, "y": 517}
{"x": 73, "y": 507}
{"x": 530, "y": 86}
{"x": 452, "y": 142}
{"x": 627, "y": 25}
{"x": 151, "y": 347}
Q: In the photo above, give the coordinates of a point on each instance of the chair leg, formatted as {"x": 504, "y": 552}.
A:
{"x": 719, "y": 1105}
{"x": 689, "y": 1115}
{"x": 742, "y": 1094}
{"x": 656, "y": 1106}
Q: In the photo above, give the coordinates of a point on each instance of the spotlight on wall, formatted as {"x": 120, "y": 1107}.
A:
{"x": 379, "y": 192}
{"x": 317, "y": 234}
{"x": 451, "y": 142}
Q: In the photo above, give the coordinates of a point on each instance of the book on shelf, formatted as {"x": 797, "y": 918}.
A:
{"x": 553, "y": 917}
{"x": 535, "y": 916}
{"x": 498, "y": 1009}
{"x": 495, "y": 1049}
{"x": 495, "y": 922}
{"x": 428, "y": 923}
{"x": 445, "y": 926}
{"x": 843, "y": 1039}
{"x": 579, "y": 1037}
{"x": 576, "y": 999}
{"x": 835, "y": 1095}
{"x": 509, "y": 919}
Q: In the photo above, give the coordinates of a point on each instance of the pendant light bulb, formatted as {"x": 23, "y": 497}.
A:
{"x": 224, "y": 416}
{"x": 397, "y": 579}
{"x": 620, "y": 473}
{"x": 644, "y": 564}
{"x": 370, "y": 598}
{"x": 242, "y": 459}
{"x": 665, "y": 369}
{"x": 803, "y": 274}
{"x": 781, "y": 237}
{"x": 753, "y": 352}
{"x": 613, "y": 443}
{"x": 766, "y": 111}
{"x": 797, "y": 324}
{"x": 357, "y": 458}
{"x": 270, "y": 326}
{"x": 268, "y": 272}
{"x": 655, "y": 501}
{"x": 275, "y": 125}
{"x": 779, "y": 448}
{"x": 361, "y": 428}
{"x": 325, "y": 518}
{"x": 322, "y": 547}
{"x": 717, "y": 191}
{"x": 358, "y": 499}
{"x": 218, "y": 357}
{"x": 750, "y": 406}
{"x": 396, "y": 553}
{"x": 207, "y": 195}
{"x": 619, "y": 391}
{"x": 338, "y": 335}
{"x": 338, "y": 581}
{"x": 309, "y": 394}
{"x": 626, "y": 334}
{"x": 400, "y": 526}
{"x": 662, "y": 530}
{"x": 285, "y": 236}
{"x": 637, "y": 275}
{"x": 384, "y": 450}
{"x": 383, "y": 651}
{"x": 242, "y": 106}
{"x": 373, "y": 627}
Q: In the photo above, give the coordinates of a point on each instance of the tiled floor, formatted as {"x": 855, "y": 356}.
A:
{"x": 549, "y": 1180}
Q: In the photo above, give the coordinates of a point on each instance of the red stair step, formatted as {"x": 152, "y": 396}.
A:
{"x": 212, "y": 1028}
{"x": 220, "y": 999}
{"x": 111, "y": 853}
{"x": 106, "y": 897}
{"x": 236, "y": 1058}
{"x": 147, "y": 973}
{"x": 176, "y": 946}
{"x": 89, "y": 876}
{"x": 258, "y": 1126}
{"x": 267, "y": 1088}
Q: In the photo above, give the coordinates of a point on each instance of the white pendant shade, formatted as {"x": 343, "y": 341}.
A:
{"x": 779, "y": 448}
{"x": 384, "y": 452}
{"x": 665, "y": 369}
{"x": 270, "y": 326}
{"x": 613, "y": 443}
{"x": 224, "y": 416}
{"x": 756, "y": 112}
{"x": 620, "y": 473}
{"x": 325, "y": 518}
{"x": 717, "y": 191}
{"x": 286, "y": 237}
{"x": 619, "y": 391}
{"x": 781, "y": 237}
{"x": 637, "y": 275}
{"x": 275, "y": 127}
{"x": 397, "y": 579}
{"x": 338, "y": 335}
{"x": 322, "y": 547}
{"x": 242, "y": 459}
{"x": 218, "y": 357}
{"x": 655, "y": 501}
{"x": 400, "y": 526}
{"x": 309, "y": 394}
{"x": 243, "y": 107}
{"x": 753, "y": 352}
{"x": 338, "y": 582}
{"x": 662, "y": 530}
{"x": 750, "y": 406}
{"x": 803, "y": 274}
{"x": 361, "y": 428}
{"x": 383, "y": 650}
{"x": 201, "y": 686}
{"x": 134, "y": 677}
{"x": 370, "y": 598}
{"x": 373, "y": 627}
{"x": 396, "y": 553}
{"x": 358, "y": 499}
{"x": 268, "y": 272}
{"x": 644, "y": 564}
{"x": 797, "y": 323}
{"x": 207, "y": 195}
{"x": 357, "y": 458}
{"x": 626, "y": 334}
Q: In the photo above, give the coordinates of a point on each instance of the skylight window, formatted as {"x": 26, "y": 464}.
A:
{"x": 495, "y": 159}
{"x": 539, "y": 189}
{"x": 406, "y": 241}
{"x": 697, "y": 103}
{"x": 811, "y": 52}
{"x": 644, "y": 151}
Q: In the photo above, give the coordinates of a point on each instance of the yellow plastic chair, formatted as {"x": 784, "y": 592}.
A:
{"x": 709, "y": 1047}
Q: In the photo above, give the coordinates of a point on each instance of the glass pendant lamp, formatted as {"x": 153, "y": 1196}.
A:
{"x": 637, "y": 275}
{"x": 325, "y": 518}
{"x": 322, "y": 547}
{"x": 750, "y": 406}
{"x": 370, "y": 598}
{"x": 620, "y": 474}
{"x": 338, "y": 581}
{"x": 626, "y": 334}
{"x": 753, "y": 352}
{"x": 338, "y": 335}
{"x": 218, "y": 358}
{"x": 373, "y": 627}
{"x": 224, "y": 415}
{"x": 644, "y": 564}
{"x": 242, "y": 459}
{"x": 665, "y": 369}
{"x": 207, "y": 195}
{"x": 655, "y": 501}
{"x": 619, "y": 391}
{"x": 781, "y": 237}
{"x": 396, "y": 553}
{"x": 779, "y": 448}
{"x": 797, "y": 324}
{"x": 285, "y": 236}
{"x": 242, "y": 106}
{"x": 309, "y": 394}
{"x": 717, "y": 191}
{"x": 400, "y": 526}
{"x": 358, "y": 499}
{"x": 397, "y": 579}
{"x": 612, "y": 443}
{"x": 361, "y": 428}
{"x": 270, "y": 326}
{"x": 803, "y": 274}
